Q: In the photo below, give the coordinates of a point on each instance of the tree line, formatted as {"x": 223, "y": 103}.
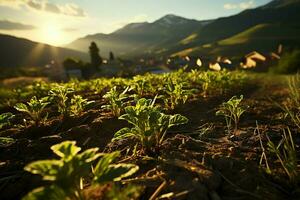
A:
{"x": 95, "y": 60}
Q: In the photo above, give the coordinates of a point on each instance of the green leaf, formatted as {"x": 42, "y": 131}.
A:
{"x": 123, "y": 133}
{"x": 177, "y": 120}
{"x": 106, "y": 107}
{"x": 21, "y": 107}
{"x": 117, "y": 172}
{"x": 129, "y": 117}
{"x": 46, "y": 168}
{"x": 4, "y": 117}
{"x": 89, "y": 155}
{"x": 52, "y": 192}
{"x": 104, "y": 162}
{"x": 66, "y": 149}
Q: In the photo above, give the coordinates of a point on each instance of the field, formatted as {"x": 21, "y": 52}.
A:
{"x": 182, "y": 135}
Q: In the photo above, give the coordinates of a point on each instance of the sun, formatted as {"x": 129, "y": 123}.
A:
{"x": 52, "y": 34}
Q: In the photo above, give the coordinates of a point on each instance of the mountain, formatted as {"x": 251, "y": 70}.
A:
{"x": 18, "y": 52}
{"x": 142, "y": 38}
{"x": 262, "y": 28}
{"x": 279, "y": 3}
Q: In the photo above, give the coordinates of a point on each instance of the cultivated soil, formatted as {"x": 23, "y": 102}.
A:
{"x": 199, "y": 160}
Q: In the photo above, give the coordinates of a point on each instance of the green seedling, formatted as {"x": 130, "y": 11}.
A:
{"x": 34, "y": 109}
{"x": 66, "y": 174}
{"x": 115, "y": 101}
{"x": 149, "y": 124}
{"x": 141, "y": 85}
{"x": 232, "y": 111}
{"x": 61, "y": 97}
{"x": 78, "y": 105}
{"x": 176, "y": 94}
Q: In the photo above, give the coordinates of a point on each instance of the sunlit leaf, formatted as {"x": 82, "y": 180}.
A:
{"x": 52, "y": 192}
{"x": 46, "y": 168}
{"x": 66, "y": 149}
{"x": 117, "y": 172}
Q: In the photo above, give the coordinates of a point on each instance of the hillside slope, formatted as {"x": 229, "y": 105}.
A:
{"x": 261, "y": 29}
{"x": 274, "y": 23}
{"x": 262, "y": 37}
{"x": 18, "y": 52}
{"x": 142, "y": 38}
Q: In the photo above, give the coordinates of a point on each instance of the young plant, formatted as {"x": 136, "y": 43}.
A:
{"x": 115, "y": 101}
{"x": 78, "y": 105}
{"x": 142, "y": 85}
{"x": 67, "y": 173}
{"x": 34, "y": 109}
{"x": 5, "y": 119}
{"x": 60, "y": 96}
{"x": 149, "y": 124}
{"x": 205, "y": 79}
{"x": 176, "y": 94}
{"x": 232, "y": 111}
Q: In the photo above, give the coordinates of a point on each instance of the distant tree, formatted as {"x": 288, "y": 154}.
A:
{"x": 111, "y": 56}
{"x": 96, "y": 59}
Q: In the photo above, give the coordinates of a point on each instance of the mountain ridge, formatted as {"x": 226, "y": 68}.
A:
{"x": 260, "y": 29}
{"x": 284, "y": 12}
{"x": 134, "y": 37}
{"x": 171, "y": 33}
{"x": 30, "y": 53}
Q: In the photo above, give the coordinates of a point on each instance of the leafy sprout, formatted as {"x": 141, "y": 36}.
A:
{"x": 78, "y": 105}
{"x": 115, "y": 101}
{"x": 60, "y": 95}
{"x": 232, "y": 111}
{"x": 67, "y": 173}
{"x": 34, "y": 109}
{"x": 149, "y": 124}
{"x": 176, "y": 94}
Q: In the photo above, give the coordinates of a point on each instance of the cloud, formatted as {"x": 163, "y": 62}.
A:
{"x": 11, "y": 3}
{"x": 242, "y": 5}
{"x": 69, "y": 9}
{"x": 72, "y": 10}
{"x": 9, "y": 25}
{"x": 50, "y": 7}
{"x": 35, "y": 4}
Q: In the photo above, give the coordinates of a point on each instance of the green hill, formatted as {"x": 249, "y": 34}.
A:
{"x": 18, "y": 52}
{"x": 262, "y": 37}
{"x": 260, "y": 29}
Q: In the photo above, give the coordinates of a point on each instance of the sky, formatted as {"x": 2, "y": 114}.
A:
{"x": 59, "y": 22}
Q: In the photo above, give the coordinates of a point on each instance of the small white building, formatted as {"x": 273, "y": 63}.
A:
{"x": 215, "y": 66}
{"x": 252, "y": 59}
